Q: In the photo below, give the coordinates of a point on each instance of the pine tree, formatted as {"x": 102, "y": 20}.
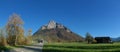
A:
{"x": 89, "y": 38}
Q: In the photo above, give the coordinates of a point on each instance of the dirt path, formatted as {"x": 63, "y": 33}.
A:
{"x": 33, "y": 48}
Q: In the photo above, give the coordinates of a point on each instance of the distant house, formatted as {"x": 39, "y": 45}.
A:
{"x": 103, "y": 40}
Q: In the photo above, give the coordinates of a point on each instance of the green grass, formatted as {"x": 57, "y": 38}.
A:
{"x": 5, "y": 48}
{"x": 81, "y": 47}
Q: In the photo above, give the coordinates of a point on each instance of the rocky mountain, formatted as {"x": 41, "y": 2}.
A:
{"x": 56, "y": 32}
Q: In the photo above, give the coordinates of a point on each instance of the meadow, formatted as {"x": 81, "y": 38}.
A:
{"x": 81, "y": 47}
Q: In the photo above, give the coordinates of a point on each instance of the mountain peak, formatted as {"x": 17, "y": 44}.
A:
{"x": 52, "y": 25}
{"x": 52, "y": 21}
{"x": 56, "y": 32}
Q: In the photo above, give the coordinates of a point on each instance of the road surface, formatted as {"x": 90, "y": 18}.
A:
{"x": 33, "y": 48}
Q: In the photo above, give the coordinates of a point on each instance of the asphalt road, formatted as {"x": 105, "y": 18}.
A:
{"x": 32, "y": 48}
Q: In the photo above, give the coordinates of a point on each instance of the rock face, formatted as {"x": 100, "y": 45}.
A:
{"x": 56, "y": 32}
{"x": 52, "y": 25}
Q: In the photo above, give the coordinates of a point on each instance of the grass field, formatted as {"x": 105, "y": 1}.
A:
{"x": 2, "y": 48}
{"x": 81, "y": 47}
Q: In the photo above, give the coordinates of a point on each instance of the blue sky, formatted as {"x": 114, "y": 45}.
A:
{"x": 99, "y": 17}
